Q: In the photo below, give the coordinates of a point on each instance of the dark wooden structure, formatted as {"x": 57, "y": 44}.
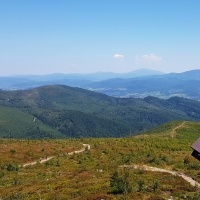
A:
{"x": 196, "y": 149}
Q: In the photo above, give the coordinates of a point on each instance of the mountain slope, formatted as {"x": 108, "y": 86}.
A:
{"x": 14, "y": 123}
{"x": 75, "y": 112}
{"x": 89, "y": 175}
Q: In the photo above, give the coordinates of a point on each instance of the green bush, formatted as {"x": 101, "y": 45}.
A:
{"x": 119, "y": 183}
{"x": 12, "y": 167}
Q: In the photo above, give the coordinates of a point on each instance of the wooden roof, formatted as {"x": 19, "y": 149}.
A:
{"x": 196, "y": 145}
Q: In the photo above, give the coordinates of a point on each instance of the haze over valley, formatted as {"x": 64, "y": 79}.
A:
{"x": 138, "y": 84}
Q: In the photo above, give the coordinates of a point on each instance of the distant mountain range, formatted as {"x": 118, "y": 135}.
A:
{"x": 186, "y": 84}
{"x": 76, "y": 80}
{"x": 63, "y": 111}
{"x": 98, "y": 76}
{"x": 138, "y": 84}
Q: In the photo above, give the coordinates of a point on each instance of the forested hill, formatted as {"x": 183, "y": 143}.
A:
{"x": 62, "y": 111}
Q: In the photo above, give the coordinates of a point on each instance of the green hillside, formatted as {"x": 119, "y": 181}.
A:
{"x": 98, "y": 173}
{"x": 63, "y": 111}
{"x": 16, "y": 123}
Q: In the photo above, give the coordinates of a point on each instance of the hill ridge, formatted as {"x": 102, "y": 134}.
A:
{"x": 73, "y": 112}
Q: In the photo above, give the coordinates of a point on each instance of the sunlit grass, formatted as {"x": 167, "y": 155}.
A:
{"x": 87, "y": 175}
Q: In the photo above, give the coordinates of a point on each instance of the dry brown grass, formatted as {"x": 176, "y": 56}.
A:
{"x": 87, "y": 175}
{"x": 22, "y": 151}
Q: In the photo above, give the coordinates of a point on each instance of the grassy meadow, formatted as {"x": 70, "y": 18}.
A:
{"x": 98, "y": 173}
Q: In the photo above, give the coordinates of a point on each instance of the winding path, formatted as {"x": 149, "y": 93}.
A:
{"x": 140, "y": 167}
{"x": 173, "y": 132}
{"x": 43, "y": 160}
{"x": 155, "y": 169}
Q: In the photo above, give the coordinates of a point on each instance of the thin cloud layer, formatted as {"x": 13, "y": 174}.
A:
{"x": 151, "y": 57}
{"x": 118, "y": 56}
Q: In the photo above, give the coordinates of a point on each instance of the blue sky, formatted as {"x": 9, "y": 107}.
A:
{"x": 84, "y": 36}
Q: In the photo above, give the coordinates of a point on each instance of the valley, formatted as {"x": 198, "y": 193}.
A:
{"x": 136, "y": 84}
{"x": 62, "y": 142}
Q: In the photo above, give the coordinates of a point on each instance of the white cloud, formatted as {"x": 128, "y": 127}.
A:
{"x": 118, "y": 56}
{"x": 151, "y": 57}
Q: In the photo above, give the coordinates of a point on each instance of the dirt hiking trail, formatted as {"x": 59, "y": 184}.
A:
{"x": 134, "y": 166}
{"x": 155, "y": 169}
{"x": 173, "y": 131}
{"x": 43, "y": 160}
